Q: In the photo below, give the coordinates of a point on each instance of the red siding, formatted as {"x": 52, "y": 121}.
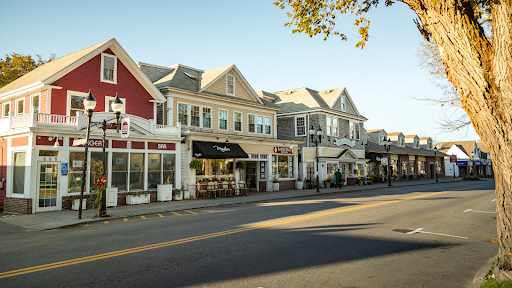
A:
{"x": 3, "y": 168}
{"x": 87, "y": 76}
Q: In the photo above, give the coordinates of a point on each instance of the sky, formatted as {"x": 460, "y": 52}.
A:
{"x": 206, "y": 34}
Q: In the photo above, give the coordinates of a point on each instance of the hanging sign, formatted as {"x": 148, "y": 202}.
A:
{"x": 453, "y": 159}
{"x": 125, "y": 128}
{"x": 384, "y": 161}
{"x": 339, "y": 142}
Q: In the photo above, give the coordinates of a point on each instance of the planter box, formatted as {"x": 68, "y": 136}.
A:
{"x": 111, "y": 196}
{"x": 164, "y": 192}
{"x": 327, "y": 184}
{"x": 137, "y": 199}
{"x": 177, "y": 195}
{"x": 299, "y": 185}
{"x": 76, "y": 204}
{"x": 275, "y": 187}
{"x": 187, "y": 195}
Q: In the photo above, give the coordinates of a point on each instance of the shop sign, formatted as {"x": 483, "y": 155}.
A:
{"x": 125, "y": 128}
{"x": 93, "y": 143}
{"x": 161, "y": 146}
{"x": 283, "y": 150}
{"x": 453, "y": 159}
{"x": 221, "y": 149}
{"x": 128, "y": 144}
{"x": 384, "y": 161}
{"x": 49, "y": 140}
{"x": 347, "y": 142}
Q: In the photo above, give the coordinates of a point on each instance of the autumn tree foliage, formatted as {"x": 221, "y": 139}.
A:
{"x": 16, "y": 65}
{"x": 477, "y": 61}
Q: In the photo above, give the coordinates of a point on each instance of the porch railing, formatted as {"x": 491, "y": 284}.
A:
{"x": 56, "y": 120}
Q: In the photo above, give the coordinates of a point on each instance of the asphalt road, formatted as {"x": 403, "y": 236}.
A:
{"x": 361, "y": 239}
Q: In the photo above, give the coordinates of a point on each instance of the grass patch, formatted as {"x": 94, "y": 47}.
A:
{"x": 493, "y": 283}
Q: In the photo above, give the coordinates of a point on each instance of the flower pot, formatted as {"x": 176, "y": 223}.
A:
{"x": 299, "y": 185}
{"x": 164, "y": 192}
{"x": 138, "y": 199}
{"x": 76, "y": 204}
{"x": 327, "y": 184}
{"x": 275, "y": 187}
{"x": 177, "y": 195}
{"x": 359, "y": 182}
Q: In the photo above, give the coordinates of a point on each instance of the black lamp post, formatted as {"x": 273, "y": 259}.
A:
{"x": 89, "y": 105}
{"x": 387, "y": 145}
{"x": 435, "y": 162}
{"x": 117, "y": 107}
{"x": 312, "y": 133}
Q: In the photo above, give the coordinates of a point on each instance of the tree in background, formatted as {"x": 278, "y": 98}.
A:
{"x": 16, "y": 65}
{"x": 477, "y": 61}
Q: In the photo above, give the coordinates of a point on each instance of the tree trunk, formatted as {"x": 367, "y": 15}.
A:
{"x": 481, "y": 72}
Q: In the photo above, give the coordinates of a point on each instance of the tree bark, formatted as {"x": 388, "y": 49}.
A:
{"x": 481, "y": 72}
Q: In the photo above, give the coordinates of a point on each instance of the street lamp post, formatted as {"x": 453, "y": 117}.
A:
{"x": 89, "y": 105}
{"x": 387, "y": 145}
{"x": 435, "y": 162}
{"x": 312, "y": 133}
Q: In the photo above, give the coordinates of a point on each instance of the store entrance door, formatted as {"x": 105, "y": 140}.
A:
{"x": 250, "y": 171}
{"x": 48, "y": 196}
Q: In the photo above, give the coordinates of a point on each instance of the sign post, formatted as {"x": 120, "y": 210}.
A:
{"x": 453, "y": 159}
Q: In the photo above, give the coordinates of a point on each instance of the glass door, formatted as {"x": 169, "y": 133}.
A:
{"x": 251, "y": 174}
{"x": 48, "y": 191}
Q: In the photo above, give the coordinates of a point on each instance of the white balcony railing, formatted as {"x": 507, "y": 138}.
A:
{"x": 36, "y": 119}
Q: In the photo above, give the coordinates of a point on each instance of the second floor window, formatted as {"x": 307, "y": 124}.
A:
{"x": 223, "y": 120}
{"x": 194, "y": 116}
{"x": 252, "y": 122}
{"x": 356, "y": 125}
{"x": 6, "y": 109}
{"x": 354, "y": 131}
{"x": 35, "y": 101}
{"x": 300, "y": 126}
{"x": 207, "y": 118}
{"x": 401, "y": 141}
{"x": 76, "y": 105}
{"x": 238, "y": 121}
{"x": 20, "y": 106}
{"x": 230, "y": 79}
{"x": 351, "y": 126}
{"x": 259, "y": 124}
{"x": 109, "y": 65}
{"x": 183, "y": 114}
{"x": 329, "y": 126}
{"x": 268, "y": 123}
{"x": 335, "y": 127}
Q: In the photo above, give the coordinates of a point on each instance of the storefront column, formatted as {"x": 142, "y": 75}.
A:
{"x": 268, "y": 173}
{"x": 296, "y": 166}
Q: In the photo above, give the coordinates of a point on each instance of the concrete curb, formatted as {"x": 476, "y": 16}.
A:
{"x": 479, "y": 278}
{"x": 135, "y": 214}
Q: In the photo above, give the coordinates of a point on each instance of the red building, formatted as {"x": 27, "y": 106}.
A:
{"x": 42, "y": 115}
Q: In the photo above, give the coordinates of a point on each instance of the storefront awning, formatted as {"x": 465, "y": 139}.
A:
{"x": 374, "y": 157}
{"x": 462, "y": 163}
{"x": 214, "y": 150}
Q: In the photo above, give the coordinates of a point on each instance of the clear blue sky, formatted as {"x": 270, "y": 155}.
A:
{"x": 250, "y": 34}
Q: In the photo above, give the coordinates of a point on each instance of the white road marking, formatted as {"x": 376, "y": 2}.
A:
{"x": 419, "y": 230}
{"x": 471, "y": 210}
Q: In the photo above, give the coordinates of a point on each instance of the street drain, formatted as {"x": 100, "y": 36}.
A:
{"x": 402, "y": 230}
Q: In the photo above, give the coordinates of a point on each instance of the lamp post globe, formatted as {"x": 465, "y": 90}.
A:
{"x": 117, "y": 105}
{"x": 89, "y": 102}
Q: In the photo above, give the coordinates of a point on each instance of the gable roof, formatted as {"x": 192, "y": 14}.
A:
{"x": 394, "y": 133}
{"x": 330, "y": 96}
{"x": 50, "y": 72}
{"x": 374, "y": 130}
{"x": 481, "y": 146}
{"x": 424, "y": 138}
{"x": 465, "y": 146}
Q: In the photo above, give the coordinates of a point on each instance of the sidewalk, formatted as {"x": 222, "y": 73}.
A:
{"x": 57, "y": 219}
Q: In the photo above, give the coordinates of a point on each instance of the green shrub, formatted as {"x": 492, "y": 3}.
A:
{"x": 471, "y": 178}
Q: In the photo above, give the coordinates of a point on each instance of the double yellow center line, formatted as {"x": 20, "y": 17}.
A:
{"x": 197, "y": 238}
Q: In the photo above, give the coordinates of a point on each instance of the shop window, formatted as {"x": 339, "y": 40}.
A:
{"x": 360, "y": 169}
{"x": 267, "y": 125}
{"x": 207, "y": 118}
{"x": 439, "y": 166}
{"x": 252, "y": 123}
{"x": 183, "y": 114}
{"x": 331, "y": 169}
{"x": 238, "y": 121}
{"x": 421, "y": 167}
{"x": 96, "y": 161}
{"x": 136, "y": 171}
{"x": 215, "y": 168}
{"x": 18, "y": 173}
{"x": 394, "y": 167}
{"x": 283, "y": 166}
{"x": 119, "y": 170}
{"x": 6, "y": 108}
{"x": 108, "y": 68}
{"x": 230, "y": 83}
{"x": 300, "y": 126}
{"x": 168, "y": 165}
{"x": 154, "y": 170}
{"x": 194, "y": 116}
{"x": 411, "y": 167}
{"x": 76, "y": 162}
{"x": 259, "y": 124}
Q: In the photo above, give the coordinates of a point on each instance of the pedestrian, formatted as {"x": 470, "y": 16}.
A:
{"x": 337, "y": 176}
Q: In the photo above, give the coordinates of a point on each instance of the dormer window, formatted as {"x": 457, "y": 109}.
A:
{"x": 230, "y": 82}
{"x": 190, "y": 76}
{"x": 108, "y": 68}
{"x": 416, "y": 144}
{"x": 401, "y": 142}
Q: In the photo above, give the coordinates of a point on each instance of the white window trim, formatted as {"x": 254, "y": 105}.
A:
{"x": 200, "y": 115}
{"x": 32, "y": 100}
{"x": 178, "y": 113}
{"x": 262, "y": 124}
{"x": 68, "y": 102}
{"x": 265, "y": 125}
{"x": 241, "y": 121}
{"x": 327, "y": 126}
{"x": 227, "y": 120}
{"x": 16, "y": 106}
{"x": 11, "y": 173}
{"x": 335, "y": 131}
{"x": 108, "y": 98}
{"x": 3, "y": 109}
{"x": 248, "y": 123}
{"x": 211, "y": 117}
{"x": 115, "y": 68}
{"x": 305, "y": 128}
{"x": 227, "y": 81}
{"x": 357, "y": 136}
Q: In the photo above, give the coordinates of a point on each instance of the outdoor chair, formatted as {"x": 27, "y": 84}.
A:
{"x": 233, "y": 189}
{"x": 243, "y": 188}
{"x": 201, "y": 191}
{"x": 224, "y": 190}
{"x": 212, "y": 189}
